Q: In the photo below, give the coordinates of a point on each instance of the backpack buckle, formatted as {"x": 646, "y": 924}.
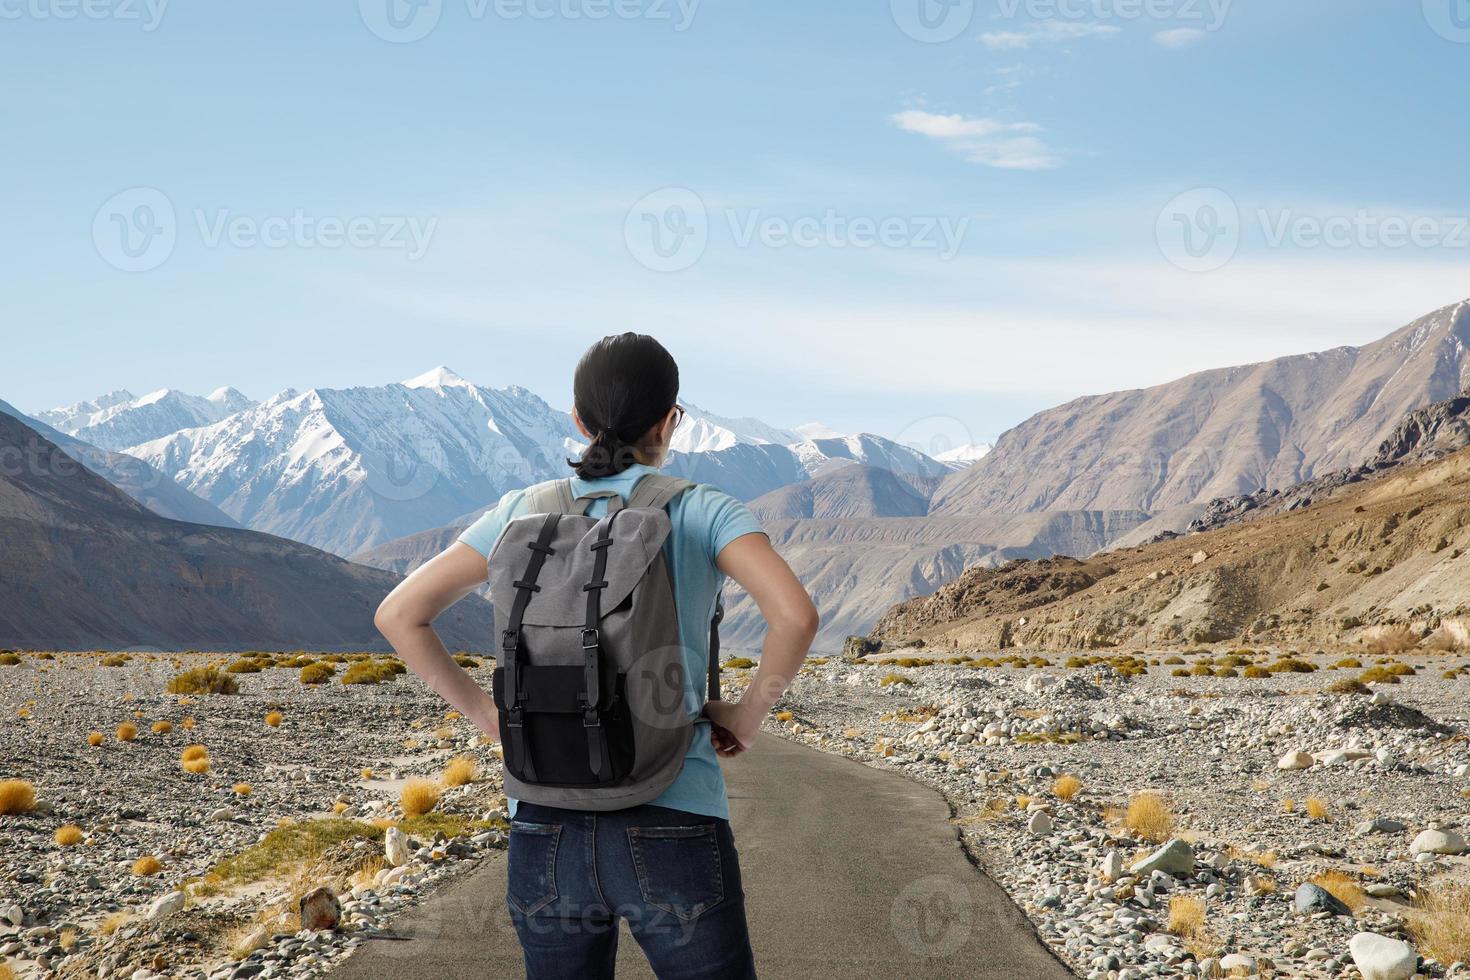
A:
{"x": 590, "y": 718}
{"x": 514, "y": 717}
{"x": 591, "y": 639}
{"x": 509, "y": 640}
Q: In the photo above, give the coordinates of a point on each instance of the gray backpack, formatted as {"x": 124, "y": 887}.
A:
{"x": 590, "y": 679}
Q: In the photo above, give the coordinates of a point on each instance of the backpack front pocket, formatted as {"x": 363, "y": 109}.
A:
{"x": 556, "y": 741}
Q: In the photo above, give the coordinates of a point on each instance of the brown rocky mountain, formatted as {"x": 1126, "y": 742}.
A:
{"x": 83, "y": 565}
{"x": 1394, "y": 549}
{"x": 1175, "y": 447}
{"x": 851, "y": 491}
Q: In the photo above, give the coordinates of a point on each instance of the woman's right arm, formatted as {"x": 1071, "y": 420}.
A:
{"x": 791, "y": 625}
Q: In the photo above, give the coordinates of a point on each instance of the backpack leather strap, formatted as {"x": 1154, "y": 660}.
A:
{"x": 510, "y": 641}
{"x": 592, "y": 652}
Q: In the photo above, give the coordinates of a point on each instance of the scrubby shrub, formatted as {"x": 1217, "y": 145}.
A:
{"x": 1291, "y": 665}
{"x": 188, "y": 724}
{"x": 1179, "y": 672}
{"x": 1256, "y": 672}
{"x": 127, "y": 731}
{"x": 273, "y": 719}
{"x": 1173, "y": 660}
{"x": 1226, "y": 672}
{"x": 739, "y": 663}
{"x": 244, "y": 789}
{"x": 8, "y": 659}
{"x": 95, "y": 739}
{"x": 68, "y": 836}
{"x": 1378, "y": 675}
{"x": 1186, "y": 916}
{"x": 890, "y": 679}
{"x": 460, "y": 771}
{"x": 16, "y": 796}
{"x": 1348, "y": 685}
{"x": 196, "y": 766}
{"x": 1201, "y": 670}
{"x": 244, "y": 666}
{"x": 367, "y": 672}
{"x": 147, "y": 866}
{"x": 317, "y": 673}
{"x": 1148, "y": 816}
{"x": 203, "y": 680}
{"x": 419, "y": 796}
{"x": 194, "y": 752}
{"x": 1066, "y": 787}
{"x": 115, "y": 660}
{"x": 466, "y": 661}
{"x": 1317, "y": 810}
{"x": 162, "y": 727}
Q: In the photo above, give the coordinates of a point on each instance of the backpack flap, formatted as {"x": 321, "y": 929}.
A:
{"x": 561, "y": 601}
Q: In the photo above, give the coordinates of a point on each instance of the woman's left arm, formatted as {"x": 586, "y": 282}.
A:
{"x": 406, "y": 619}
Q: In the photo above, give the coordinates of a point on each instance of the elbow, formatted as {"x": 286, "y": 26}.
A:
{"x": 389, "y": 619}
{"x": 803, "y": 621}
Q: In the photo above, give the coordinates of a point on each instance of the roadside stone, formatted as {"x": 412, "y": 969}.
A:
{"x": 395, "y": 848}
{"x": 1295, "y": 759}
{"x": 1381, "y": 958}
{"x": 1312, "y": 898}
{"x": 1438, "y": 842}
{"x": 1174, "y": 858}
{"x": 166, "y": 905}
{"x": 320, "y": 910}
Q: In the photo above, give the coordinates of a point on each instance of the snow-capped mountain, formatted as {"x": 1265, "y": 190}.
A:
{"x": 120, "y": 419}
{"x": 962, "y": 456}
{"x": 347, "y": 469}
{"x": 704, "y": 432}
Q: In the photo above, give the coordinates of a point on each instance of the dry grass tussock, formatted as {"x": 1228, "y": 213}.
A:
{"x": 273, "y": 719}
{"x": 95, "y": 739}
{"x": 1317, "y": 810}
{"x": 68, "y": 836}
{"x": 419, "y": 796}
{"x": 126, "y": 732}
{"x": 16, "y": 796}
{"x": 1186, "y": 916}
{"x": 1149, "y": 817}
{"x": 1066, "y": 787}
{"x": 162, "y": 727}
{"x": 146, "y": 866}
{"x": 244, "y": 789}
{"x": 1441, "y": 923}
{"x": 1397, "y": 638}
{"x": 1344, "y": 888}
{"x": 460, "y": 771}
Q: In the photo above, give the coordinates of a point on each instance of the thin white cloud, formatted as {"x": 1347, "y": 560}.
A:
{"x": 1045, "y": 32}
{"x": 1180, "y": 37}
{"x": 983, "y": 140}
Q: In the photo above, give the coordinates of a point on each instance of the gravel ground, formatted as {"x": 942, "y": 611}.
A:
{"x": 134, "y": 799}
{"x": 1380, "y": 770}
{"x": 1389, "y": 764}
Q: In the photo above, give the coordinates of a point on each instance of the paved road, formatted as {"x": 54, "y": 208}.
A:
{"x": 850, "y": 872}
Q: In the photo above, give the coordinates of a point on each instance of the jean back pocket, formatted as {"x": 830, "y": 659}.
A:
{"x": 678, "y": 868}
{"x": 531, "y": 866}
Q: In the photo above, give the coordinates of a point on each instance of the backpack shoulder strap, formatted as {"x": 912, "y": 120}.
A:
{"x": 552, "y": 497}
{"x": 657, "y": 490}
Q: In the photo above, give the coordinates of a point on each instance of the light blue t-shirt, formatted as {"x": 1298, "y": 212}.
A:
{"x": 704, "y": 521}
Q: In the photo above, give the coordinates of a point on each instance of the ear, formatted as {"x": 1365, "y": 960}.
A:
{"x": 581, "y": 426}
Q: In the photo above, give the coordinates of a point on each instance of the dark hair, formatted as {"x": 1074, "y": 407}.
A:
{"x": 624, "y": 386}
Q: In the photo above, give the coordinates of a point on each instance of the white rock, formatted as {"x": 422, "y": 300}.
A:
{"x": 1040, "y": 824}
{"x": 1381, "y": 958}
{"x": 1112, "y": 866}
{"x": 166, "y": 905}
{"x": 1295, "y": 759}
{"x": 1438, "y": 842}
{"x": 395, "y": 847}
{"x": 222, "y": 815}
{"x": 1237, "y": 961}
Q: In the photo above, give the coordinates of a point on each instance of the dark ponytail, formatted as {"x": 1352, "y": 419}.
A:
{"x": 624, "y": 386}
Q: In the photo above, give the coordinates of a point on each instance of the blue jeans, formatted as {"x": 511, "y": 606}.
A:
{"x": 673, "y": 876}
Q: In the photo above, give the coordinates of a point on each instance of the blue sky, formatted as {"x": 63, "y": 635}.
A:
{"x": 860, "y": 219}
